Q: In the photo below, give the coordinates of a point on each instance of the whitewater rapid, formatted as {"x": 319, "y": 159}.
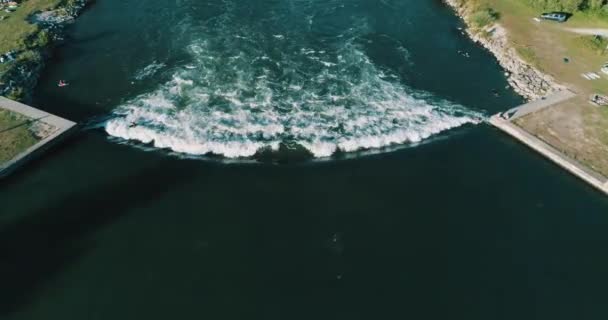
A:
{"x": 246, "y": 91}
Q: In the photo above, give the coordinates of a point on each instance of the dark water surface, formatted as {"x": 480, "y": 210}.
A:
{"x": 466, "y": 225}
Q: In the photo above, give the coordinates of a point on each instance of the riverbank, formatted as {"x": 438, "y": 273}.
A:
{"x": 32, "y": 132}
{"x": 28, "y": 33}
{"x": 526, "y": 80}
{"x": 576, "y": 168}
{"x": 27, "y": 36}
{"x": 509, "y": 122}
{"x": 544, "y": 57}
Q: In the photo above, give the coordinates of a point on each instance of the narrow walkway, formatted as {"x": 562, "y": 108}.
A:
{"x": 538, "y": 105}
{"x": 34, "y": 113}
{"x": 590, "y": 31}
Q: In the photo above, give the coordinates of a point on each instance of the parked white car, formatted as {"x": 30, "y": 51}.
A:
{"x": 605, "y": 68}
{"x": 555, "y": 16}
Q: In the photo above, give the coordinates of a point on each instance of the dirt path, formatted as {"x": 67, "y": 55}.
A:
{"x": 589, "y": 31}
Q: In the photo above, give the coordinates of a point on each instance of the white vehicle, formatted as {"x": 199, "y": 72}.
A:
{"x": 605, "y": 68}
{"x": 555, "y": 16}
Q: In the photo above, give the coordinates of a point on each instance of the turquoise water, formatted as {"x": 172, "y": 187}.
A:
{"x": 455, "y": 221}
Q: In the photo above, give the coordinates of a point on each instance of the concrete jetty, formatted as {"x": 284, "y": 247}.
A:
{"x": 503, "y": 121}
{"x": 538, "y": 105}
{"x": 60, "y": 128}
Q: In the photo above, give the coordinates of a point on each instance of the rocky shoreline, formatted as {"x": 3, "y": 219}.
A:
{"x": 19, "y": 80}
{"x": 526, "y": 80}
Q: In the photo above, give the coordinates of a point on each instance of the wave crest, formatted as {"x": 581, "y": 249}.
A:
{"x": 246, "y": 92}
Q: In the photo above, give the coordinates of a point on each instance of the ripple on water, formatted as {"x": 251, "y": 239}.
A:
{"x": 245, "y": 91}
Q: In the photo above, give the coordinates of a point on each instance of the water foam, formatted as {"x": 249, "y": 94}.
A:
{"x": 252, "y": 91}
{"x": 149, "y": 70}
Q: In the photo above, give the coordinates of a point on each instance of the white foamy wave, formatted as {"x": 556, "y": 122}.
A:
{"x": 148, "y": 71}
{"x": 242, "y": 97}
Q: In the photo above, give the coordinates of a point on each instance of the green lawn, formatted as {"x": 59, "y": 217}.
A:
{"x": 15, "y": 29}
{"x": 17, "y": 34}
{"x": 575, "y": 127}
{"x": 546, "y": 44}
{"x": 15, "y": 135}
{"x": 588, "y": 20}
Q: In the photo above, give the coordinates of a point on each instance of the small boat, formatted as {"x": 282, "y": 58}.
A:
{"x": 62, "y": 84}
{"x": 190, "y": 66}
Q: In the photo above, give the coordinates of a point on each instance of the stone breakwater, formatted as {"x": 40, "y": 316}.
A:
{"x": 19, "y": 79}
{"x": 526, "y": 80}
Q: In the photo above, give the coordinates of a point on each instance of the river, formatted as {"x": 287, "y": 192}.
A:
{"x": 291, "y": 159}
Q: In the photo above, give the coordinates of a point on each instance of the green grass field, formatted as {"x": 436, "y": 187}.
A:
{"x": 22, "y": 37}
{"x": 577, "y": 128}
{"x": 15, "y": 135}
{"x": 545, "y": 44}
{"x": 15, "y": 30}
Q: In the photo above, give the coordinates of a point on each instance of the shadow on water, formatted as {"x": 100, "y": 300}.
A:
{"x": 38, "y": 246}
{"x": 75, "y": 40}
{"x": 60, "y": 104}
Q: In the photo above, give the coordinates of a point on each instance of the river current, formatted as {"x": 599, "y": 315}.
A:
{"x": 299, "y": 73}
{"x": 290, "y": 159}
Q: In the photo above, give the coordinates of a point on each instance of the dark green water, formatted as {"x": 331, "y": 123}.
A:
{"x": 466, "y": 225}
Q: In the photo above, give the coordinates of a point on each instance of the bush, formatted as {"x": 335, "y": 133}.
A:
{"x": 40, "y": 39}
{"x": 15, "y": 94}
{"x": 597, "y": 44}
{"x": 484, "y": 16}
{"x": 569, "y": 5}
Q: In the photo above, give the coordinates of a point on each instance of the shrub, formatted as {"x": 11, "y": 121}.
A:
{"x": 484, "y": 16}
{"x": 597, "y": 44}
{"x": 569, "y": 5}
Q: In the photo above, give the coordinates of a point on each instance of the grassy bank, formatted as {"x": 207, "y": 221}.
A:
{"x": 549, "y": 46}
{"x": 16, "y": 33}
{"x": 15, "y": 135}
{"x": 577, "y": 128}
{"x": 27, "y": 41}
